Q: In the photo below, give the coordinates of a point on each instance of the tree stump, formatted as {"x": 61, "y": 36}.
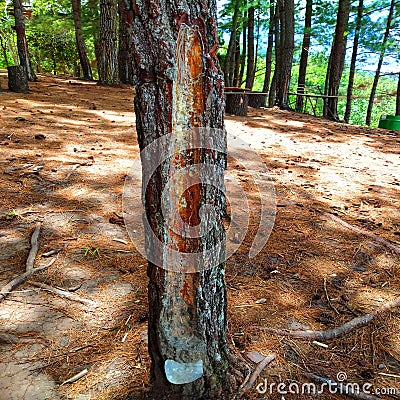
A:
{"x": 236, "y": 103}
{"x": 17, "y": 79}
{"x": 257, "y": 100}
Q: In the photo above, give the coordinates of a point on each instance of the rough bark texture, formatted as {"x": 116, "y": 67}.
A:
{"x": 179, "y": 92}
{"x": 236, "y": 104}
{"x": 286, "y": 49}
{"x": 336, "y": 62}
{"x": 398, "y": 97}
{"x": 80, "y": 41}
{"x": 380, "y": 62}
{"x": 257, "y": 100}
{"x": 352, "y": 71}
{"x": 125, "y": 62}
{"x": 270, "y": 45}
{"x": 229, "y": 64}
{"x": 244, "y": 51}
{"x": 250, "y": 49}
{"x": 237, "y": 62}
{"x": 108, "y": 61}
{"x": 22, "y": 44}
{"x": 304, "y": 57}
{"x": 17, "y": 79}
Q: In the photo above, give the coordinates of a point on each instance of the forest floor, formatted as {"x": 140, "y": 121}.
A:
{"x": 65, "y": 150}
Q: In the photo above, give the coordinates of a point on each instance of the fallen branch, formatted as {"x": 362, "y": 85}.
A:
{"x": 34, "y": 248}
{"x": 64, "y": 294}
{"x": 260, "y": 367}
{"x": 341, "y": 388}
{"x": 328, "y": 299}
{"x": 6, "y": 289}
{"x": 377, "y": 238}
{"x": 76, "y": 377}
{"x": 332, "y": 333}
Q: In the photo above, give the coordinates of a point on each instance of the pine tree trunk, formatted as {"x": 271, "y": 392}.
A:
{"x": 257, "y": 45}
{"x": 337, "y": 56}
{"x": 125, "y": 61}
{"x": 268, "y": 55}
{"x": 108, "y": 62}
{"x": 304, "y": 57}
{"x": 93, "y": 7}
{"x": 179, "y": 97}
{"x": 80, "y": 42}
{"x": 17, "y": 79}
{"x": 250, "y": 49}
{"x": 236, "y": 72}
{"x": 229, "y": 64}
{"x": 286, "y": 20}
{"x": 22, "y": 44}
{"x": 278, "y": 56}
{"x": 398, "y": 97}
{"x": 244, "y": 50}
{"x": 380, "y": 62}
{"x": 352, "y": 71}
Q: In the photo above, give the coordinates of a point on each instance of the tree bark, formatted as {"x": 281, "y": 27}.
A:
{"x": 336, "y": 62}
{"x": 22, "y": 44}
{"x": 286, "y": 23}
{"x": 250, "y": 49}
{"x": 304, "y": 57}
{"x": 352, "y": 71}
{"x": 80, "y": 41}
{"x": 229, "y": 64}
{"x": 17, "y": 79}
{"x": 278, "y": 56}
{"x": 236, "y": 72}
{"x": 178, "y": 101}
{"x": 398, "y": 97}
{"x": 380, "y": 62}
{"x": 244, "y": 50}
{"x": 125, "y": 62}
{"x": 268, "y": 55}
{"x": 108, "y": 62}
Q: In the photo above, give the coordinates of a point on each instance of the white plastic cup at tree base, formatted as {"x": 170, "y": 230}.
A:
{"x": 239, "y": 152}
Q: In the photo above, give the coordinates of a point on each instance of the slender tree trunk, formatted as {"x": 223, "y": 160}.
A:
{"x": 336, "y": 62}
{"x": 304, "y": 57}
{"x": 278, "y": 56}
{"x": 380, "y": 62}
{"x": 250, "y": 49}
{"x": 108, "y": 62}
{"x": 257, "y": 45}
{"x": 125, "y": 62}
{"x": 22, "y": 44}
{"x": 270, "y": 45}
{"x": 286, "y": 20}
{"x": 179, "y": 108}
{"x": 398, "y": 97}
{"x": 80, "y": 42}
{"x": 353, "y": 61}
{"x": 94, "y": 10}
{"x": 244, "y": 50}
{"x": 236, "y": 72}
{"x": 229, "y": 64}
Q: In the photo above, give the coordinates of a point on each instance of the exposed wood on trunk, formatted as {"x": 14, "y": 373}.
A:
{"x": 336, "y": 332}
{"x": 179, "y": 92}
